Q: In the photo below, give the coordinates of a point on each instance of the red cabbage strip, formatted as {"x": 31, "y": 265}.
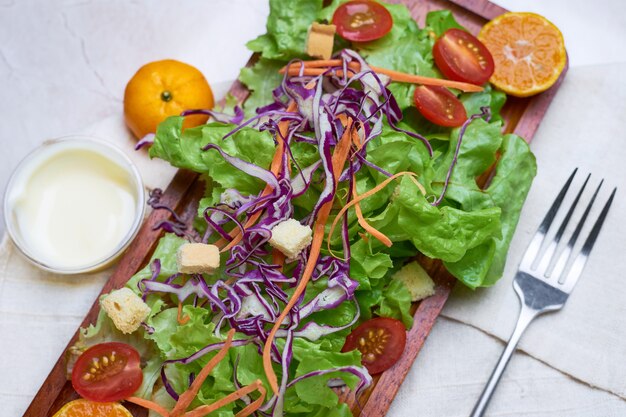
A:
{"x": 197, "y": 286}
{"x": 155, "y": 267}
{"x": 372, "y": 165}
{"x": 286, "y": 358}
{"x": 324, "y": 134}
{"x": 299, "y": 93}
{"x": 148, "y": 329}
{"x": 236, "y": 119}
{"x": 154, "y": 201}
{"x": 301, "y": 182}
{"x": 279, "y": 114}
{"x": 365, "y": 380}
{"x": 218, "y": 228}
{"x": 313, "y": 331}
{"x": 177, "y": 225}
{"x": 484, "y": 113}
{"x": 345, "y": 236}
{"x": 246, "y": 167}
{"x": 145, "y": 141}
{"x": 246, "y": 399}
{"x": 184, "y": 361}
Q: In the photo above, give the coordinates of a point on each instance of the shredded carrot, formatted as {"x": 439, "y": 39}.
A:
{"x": 187, "y": 397}
{"x": 278, "y": 258}
{"x": 419, "y": 79}
{"x": 275, "y": 168}
{"x": 357, "y": 208}
{"x": 253, "y": 406}
{"x": 315, "y": 63}
{"x": 179, "y": 317}
{"x": 150, "y": 405}
{"x": 338, "y": 161}
{"x": 357, "y": 139}
{"x": 369, "y": 193}
{"x": 241, "y": 392}
{"x": 364, "y": 224}
{"x": 318, "y": 67}
{"x": 318, "y": 71}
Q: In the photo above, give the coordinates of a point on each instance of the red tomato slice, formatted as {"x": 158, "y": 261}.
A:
{"x": 362, "y": 20}
{"x": 462, "y": 57}
{"x": 381, "y": 342}
{"x": 107, "y": 372}
{"x": 439, "y": 105}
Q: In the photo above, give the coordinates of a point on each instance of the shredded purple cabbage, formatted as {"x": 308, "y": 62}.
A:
{"x": 252, "y": 291}
{"x": 485, "y": 113}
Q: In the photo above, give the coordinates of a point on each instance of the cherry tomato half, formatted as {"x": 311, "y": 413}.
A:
{"x": 381, "y": 342}
{"x": 362, "y": 20}
{"x": 107, "y": 372}
{"x": 462, "y": 57}
{"x": 439, "y": 105}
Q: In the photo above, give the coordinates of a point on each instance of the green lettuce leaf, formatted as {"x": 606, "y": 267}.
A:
{"x": 367, "y": 266}
{"x": 287, "y": 29}
{"x": 483, "y": 265}
{"x": 477, "y": 153}
{"x": 439, "y": 21}
{"x": 312, "y": 357}
{"x": 261, "y": 79}
{"x": 184, "y": 150}
{"x": 166, "y": 252}
{"x": 396, "y": 303}
{"x": 442, "y": 232}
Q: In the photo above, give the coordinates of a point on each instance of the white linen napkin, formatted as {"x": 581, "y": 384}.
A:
{"x": 585, "y": 127}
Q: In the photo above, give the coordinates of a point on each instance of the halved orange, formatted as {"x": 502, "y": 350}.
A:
{"x": 85, "y": 408}
{"x": 528, "y": 51}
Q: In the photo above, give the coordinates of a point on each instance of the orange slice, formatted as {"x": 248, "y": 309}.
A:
{"x": 528, "y": 50}
{"x": 85, "y": 408}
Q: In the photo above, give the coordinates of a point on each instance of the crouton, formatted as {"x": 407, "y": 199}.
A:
{"x": 417, "y": 281}
{"x": 198, "y": 258}
{"x": 290, "y": 237}
{"x": 125, "y": 308}
{"x": 320, "y": 40}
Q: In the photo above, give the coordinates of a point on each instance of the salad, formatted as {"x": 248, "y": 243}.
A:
{"x": 297, "y": 276}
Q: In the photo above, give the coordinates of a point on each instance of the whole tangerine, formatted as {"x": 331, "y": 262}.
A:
{"x": 165, "y": 88}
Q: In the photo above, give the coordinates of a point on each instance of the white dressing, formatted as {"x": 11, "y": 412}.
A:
{"x": 72, "y": 206}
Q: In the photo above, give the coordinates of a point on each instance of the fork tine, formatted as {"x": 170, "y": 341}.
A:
{"x": 567, "y": 250}
{"x": 579, "y": 262}
{"x": 547, "y": 256}
{"x": 535, "y": 244}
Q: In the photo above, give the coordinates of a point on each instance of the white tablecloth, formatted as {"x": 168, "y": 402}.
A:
{"x": 64, "y": 65}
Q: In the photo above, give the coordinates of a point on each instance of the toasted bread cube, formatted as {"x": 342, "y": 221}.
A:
{"x": 125, "y": 308}
{"x": 320, "y": 40}
{"x": 419, "y": 284}
{"x": 290, "y": 237}
{"x": 198, "y": 258}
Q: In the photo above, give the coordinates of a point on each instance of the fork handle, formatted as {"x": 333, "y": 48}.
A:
{"x": 526, "y": 315}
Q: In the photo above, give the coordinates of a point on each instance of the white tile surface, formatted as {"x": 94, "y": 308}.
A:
{"x": 63, "y": 68}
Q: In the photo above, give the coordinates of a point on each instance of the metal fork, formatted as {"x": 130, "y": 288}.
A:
{"x": 539, "y": 289}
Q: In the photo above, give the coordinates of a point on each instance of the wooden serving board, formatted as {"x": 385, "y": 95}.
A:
{"x": 522, "y": 116}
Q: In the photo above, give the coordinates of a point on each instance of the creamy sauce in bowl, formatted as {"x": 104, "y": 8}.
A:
{"x": 72, "y": 205}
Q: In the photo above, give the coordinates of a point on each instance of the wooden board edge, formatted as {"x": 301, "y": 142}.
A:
{"x": 389, "y": 382}
{"x": 131, "y": 260}
{"x": 483, "y": 8}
